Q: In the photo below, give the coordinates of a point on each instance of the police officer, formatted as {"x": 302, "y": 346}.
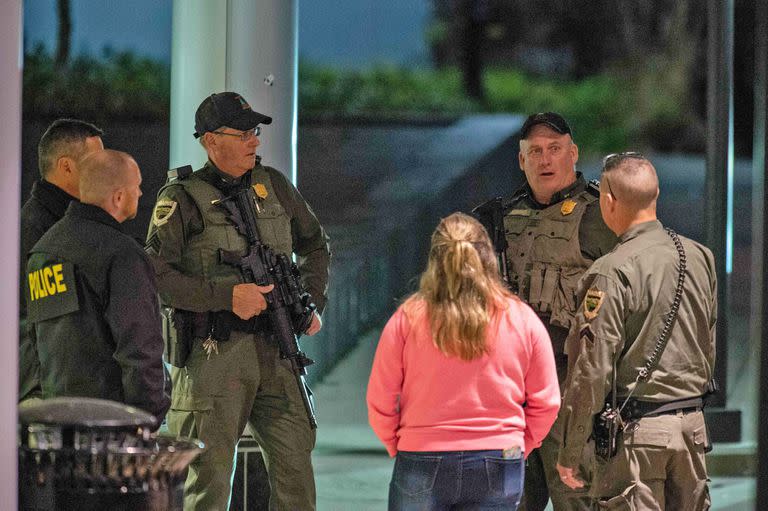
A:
{"x": 554, "y": 232}
{"x": 243, "y": 380}
{"x": 92, "y": 298}
{"x": 628, "y": 294}
{"x": 62, "y": 146}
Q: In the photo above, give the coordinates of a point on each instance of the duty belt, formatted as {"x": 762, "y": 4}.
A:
{"x": 203, "y": 322}
{"x": 635, "y": 409}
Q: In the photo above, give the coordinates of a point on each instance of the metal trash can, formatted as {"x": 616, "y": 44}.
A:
{"x": 93, "y": 454}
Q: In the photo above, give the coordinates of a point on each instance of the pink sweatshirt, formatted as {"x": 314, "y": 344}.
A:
{"x": 422, "y": 400}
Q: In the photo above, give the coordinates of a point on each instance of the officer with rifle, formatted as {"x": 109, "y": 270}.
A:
{"x": 221, "y": 240}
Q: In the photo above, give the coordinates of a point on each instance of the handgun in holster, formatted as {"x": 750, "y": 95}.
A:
{"x": 178, "y": 333}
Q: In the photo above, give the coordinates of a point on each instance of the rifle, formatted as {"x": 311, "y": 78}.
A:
{"x": 289, "y": 306}
{"x": 491, "y": 215}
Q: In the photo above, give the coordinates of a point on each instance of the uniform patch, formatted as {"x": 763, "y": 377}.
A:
{"x": 567, "y": 207}
{"x": 592, "y": 303}
{"x": 586, "y": 333}
{"x": 163, "y": 211}
{"x": 520, "y": 212}
{"x": 261, "y": 190}
{"x": 52, "y": 292}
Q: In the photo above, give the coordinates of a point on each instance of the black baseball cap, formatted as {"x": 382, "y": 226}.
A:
{"x": 226, "y": 109}
{"x": 550, "y": 119}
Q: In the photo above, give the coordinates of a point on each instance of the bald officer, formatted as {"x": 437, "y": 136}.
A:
{"x": 92, "y": 295}
{"x": 659, "y": 463}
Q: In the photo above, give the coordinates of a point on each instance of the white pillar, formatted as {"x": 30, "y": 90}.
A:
{"x": 10, "y": 186}
{"x": 245, "y": 46}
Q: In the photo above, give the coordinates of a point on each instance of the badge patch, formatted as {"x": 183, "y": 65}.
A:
{"x": 163, "y": 211}
{"x": 261, "y": 191}
{"x": 592, "y": 303}
{"x": 567, "y": 207}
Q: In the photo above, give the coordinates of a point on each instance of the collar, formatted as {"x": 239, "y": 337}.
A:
{"x": 52, "y": 197}
{"x": 573, "y": 189}
{"x": 223, "y": 181}
{"x": 93, "y": 213}
{"x": 638, "y": 229}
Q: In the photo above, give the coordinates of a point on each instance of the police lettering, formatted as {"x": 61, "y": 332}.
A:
{"x": 46, "y": 281}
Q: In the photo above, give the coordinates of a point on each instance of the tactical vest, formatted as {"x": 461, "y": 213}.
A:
{"x": 201, "y": 254}
{"x": 544, "y": 256}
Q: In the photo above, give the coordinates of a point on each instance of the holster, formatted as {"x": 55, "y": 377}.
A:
{"x": 178, "y": 332}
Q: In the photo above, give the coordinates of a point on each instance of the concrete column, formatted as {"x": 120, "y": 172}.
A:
{"x": 246, "y": 46}
{"x": 719, "y": 178}
{"x": 10, "y": 184}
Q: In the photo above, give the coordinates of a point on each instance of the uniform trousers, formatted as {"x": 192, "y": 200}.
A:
{"x": 659, "y": 466}
{"x": 542, "y": 481}
{"x": 213, "y": 400}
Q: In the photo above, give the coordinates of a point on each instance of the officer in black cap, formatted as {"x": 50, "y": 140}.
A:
{"x": 554, "y": 232}
{"x": 220, "y": 387}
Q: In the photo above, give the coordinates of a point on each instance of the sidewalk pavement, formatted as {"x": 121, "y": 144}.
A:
{"x": 352, "y": 469}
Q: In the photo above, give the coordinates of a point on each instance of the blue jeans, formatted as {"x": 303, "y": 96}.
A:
{"x": 456, "y": 480}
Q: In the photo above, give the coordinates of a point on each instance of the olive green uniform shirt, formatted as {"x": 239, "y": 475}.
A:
{"x": 168, "y": 237}
{"x": 629, "y": 293}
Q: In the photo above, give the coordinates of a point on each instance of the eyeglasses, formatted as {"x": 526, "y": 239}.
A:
{"x": 243, "y": 135}
{"x": 614, "y": 159}
{"x": 604, "y": 179}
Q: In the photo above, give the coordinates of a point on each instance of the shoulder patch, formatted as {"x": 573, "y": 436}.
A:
{"x": 592, "y": 302}
{"x": 163, "y": 211}
{"x": 52, "y": 292}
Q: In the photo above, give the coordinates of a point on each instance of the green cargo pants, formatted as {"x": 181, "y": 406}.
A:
{"x": 659, "y": 465}
{"x": 214, "y": 398}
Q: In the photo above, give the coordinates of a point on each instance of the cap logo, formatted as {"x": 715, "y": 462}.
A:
{"x": 243, "y": 103}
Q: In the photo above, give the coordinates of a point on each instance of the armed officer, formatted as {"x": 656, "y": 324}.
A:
{"x": 92, "y": 298}
{"x": 647, "y": 347}
{"x": 553, "y": 232}
{"x": 221, "y": 385}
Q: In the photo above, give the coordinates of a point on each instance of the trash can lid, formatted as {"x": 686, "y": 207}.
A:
{"x": 85, "y": 412}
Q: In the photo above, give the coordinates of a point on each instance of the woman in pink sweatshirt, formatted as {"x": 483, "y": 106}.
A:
{"x": 463, "y": 383}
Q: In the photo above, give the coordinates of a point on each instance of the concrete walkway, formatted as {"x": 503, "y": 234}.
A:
{"x": 352, "y": 469}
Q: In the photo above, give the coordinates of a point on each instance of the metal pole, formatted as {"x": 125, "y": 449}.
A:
{"x": 10, "y": 184}
{"x": 760, "y": 165}
{"x": 719, "y": 177}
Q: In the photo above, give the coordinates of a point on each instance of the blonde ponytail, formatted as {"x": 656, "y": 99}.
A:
{"x": 461, "y": 287}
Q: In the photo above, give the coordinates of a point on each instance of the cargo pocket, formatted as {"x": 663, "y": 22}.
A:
{"x": 701, "y": 498}
{"x": 275, "y": 227}
{"x": 415, "y": 475}
{"x": 622, "y": 502}
{"x": 564, "y": 300}
{"x": 648, "y": 437}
